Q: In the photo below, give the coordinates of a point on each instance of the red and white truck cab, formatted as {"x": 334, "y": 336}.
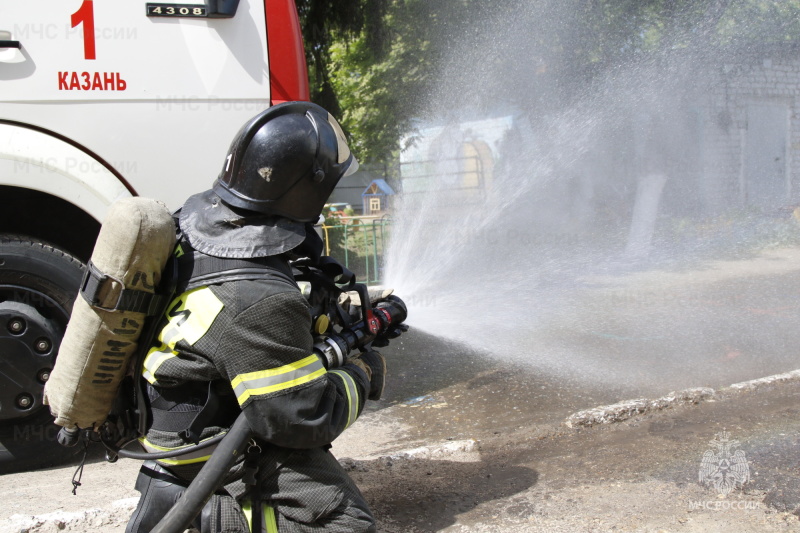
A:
{"x": 100, "y": 100}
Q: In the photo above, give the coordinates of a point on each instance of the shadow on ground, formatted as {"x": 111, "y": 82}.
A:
{"x": 422, "y": 496}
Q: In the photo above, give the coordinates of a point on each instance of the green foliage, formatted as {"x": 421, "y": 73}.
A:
{"x": 374, "y": 63}
{"x": 323, "y": 22}
{"x": 760, "y": 22}
{"x": 379, "y": 89}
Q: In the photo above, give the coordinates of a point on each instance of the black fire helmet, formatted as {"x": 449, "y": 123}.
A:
{"x": 286, "y": 162}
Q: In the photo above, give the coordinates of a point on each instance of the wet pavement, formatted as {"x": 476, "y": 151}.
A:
{"x": 639, "y": 475}
{"x": 529, "y": 472}
{"x": 608, "y": 338}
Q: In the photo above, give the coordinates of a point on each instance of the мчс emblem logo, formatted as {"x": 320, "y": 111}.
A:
{"x": 725, "y": 468}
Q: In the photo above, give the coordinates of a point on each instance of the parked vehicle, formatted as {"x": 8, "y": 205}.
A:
{"x": 99, "y": 101}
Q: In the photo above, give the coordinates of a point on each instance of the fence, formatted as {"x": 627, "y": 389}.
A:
{"x": 359, "y": 244}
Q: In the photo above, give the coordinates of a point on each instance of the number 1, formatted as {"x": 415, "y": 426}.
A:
{"x": 85, "y": 15}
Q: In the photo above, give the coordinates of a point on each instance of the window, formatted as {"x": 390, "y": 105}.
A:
{"x": 374, "y": 205}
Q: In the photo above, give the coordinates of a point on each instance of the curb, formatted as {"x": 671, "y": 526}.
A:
{"x": 794, "y": 375}
{"x": 620, "y": 411}
{"x": 435, "y": 451}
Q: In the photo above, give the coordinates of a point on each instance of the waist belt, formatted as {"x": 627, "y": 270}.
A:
{"x": 190, "y": 408}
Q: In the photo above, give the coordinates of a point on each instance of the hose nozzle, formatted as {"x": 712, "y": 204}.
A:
{"x": 382, "y": 322}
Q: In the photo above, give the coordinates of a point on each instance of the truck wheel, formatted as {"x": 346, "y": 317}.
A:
{"x": 38, "y": 284}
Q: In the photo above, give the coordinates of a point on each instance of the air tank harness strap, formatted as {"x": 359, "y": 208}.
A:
{"x": 102, "y": 291}
{"x": 327, "y": 272}
{"x": 196, "y": 269}
{"x": 329, "y": 276}
{"x": 188, "y": 419}
{"x": 250, "y": 479}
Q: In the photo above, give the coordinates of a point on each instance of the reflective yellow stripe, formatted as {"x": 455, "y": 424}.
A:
{"x": 352, "y": 395}
{"x": 188, "y": 458}
{"x": 190, "y": 316}
{"x": 277, "y": 379}
{"x": 270, "y": 521}
{"x": 247, "y": 509}
{"x": 176, "y": 462}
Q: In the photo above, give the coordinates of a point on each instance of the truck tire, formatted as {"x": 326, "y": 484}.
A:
{"x": 38, "y": 284}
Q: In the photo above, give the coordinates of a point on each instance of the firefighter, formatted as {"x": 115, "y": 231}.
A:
{"x": 243, "y": 342}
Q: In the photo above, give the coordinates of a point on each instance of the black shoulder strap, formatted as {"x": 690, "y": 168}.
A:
{"x": 196, "y": 269}
{"x": 327, "y": 272}
{"x": 328, "y": 279}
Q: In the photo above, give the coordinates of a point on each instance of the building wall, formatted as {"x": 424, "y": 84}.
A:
{"x": 737, "y": 91}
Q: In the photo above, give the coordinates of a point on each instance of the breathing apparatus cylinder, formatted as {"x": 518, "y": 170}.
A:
{"x": 136, "y": 240}
{"x": 378, "y": 321}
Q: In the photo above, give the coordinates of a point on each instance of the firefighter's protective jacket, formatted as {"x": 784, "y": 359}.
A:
{"x": 252, "y": 340}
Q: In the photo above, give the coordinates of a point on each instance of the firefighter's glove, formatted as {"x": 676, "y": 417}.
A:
{"x": 383, "y": 340}
{"x": 379, "y": 295}
{"x": 350, "y": 301}
{"x": 374, "y": 366}
{"x": 375, "y": 296}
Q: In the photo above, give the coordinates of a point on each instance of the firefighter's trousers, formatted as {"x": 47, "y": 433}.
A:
{"x": 308, "y": 491}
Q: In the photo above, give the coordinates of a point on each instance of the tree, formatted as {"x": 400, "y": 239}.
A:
{"x": 326, "y": 22}
{"x": 385, "y": 74}
{"x": 375, "y": 64}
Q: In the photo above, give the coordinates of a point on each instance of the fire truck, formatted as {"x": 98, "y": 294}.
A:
{"x": 101, "y": 100}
